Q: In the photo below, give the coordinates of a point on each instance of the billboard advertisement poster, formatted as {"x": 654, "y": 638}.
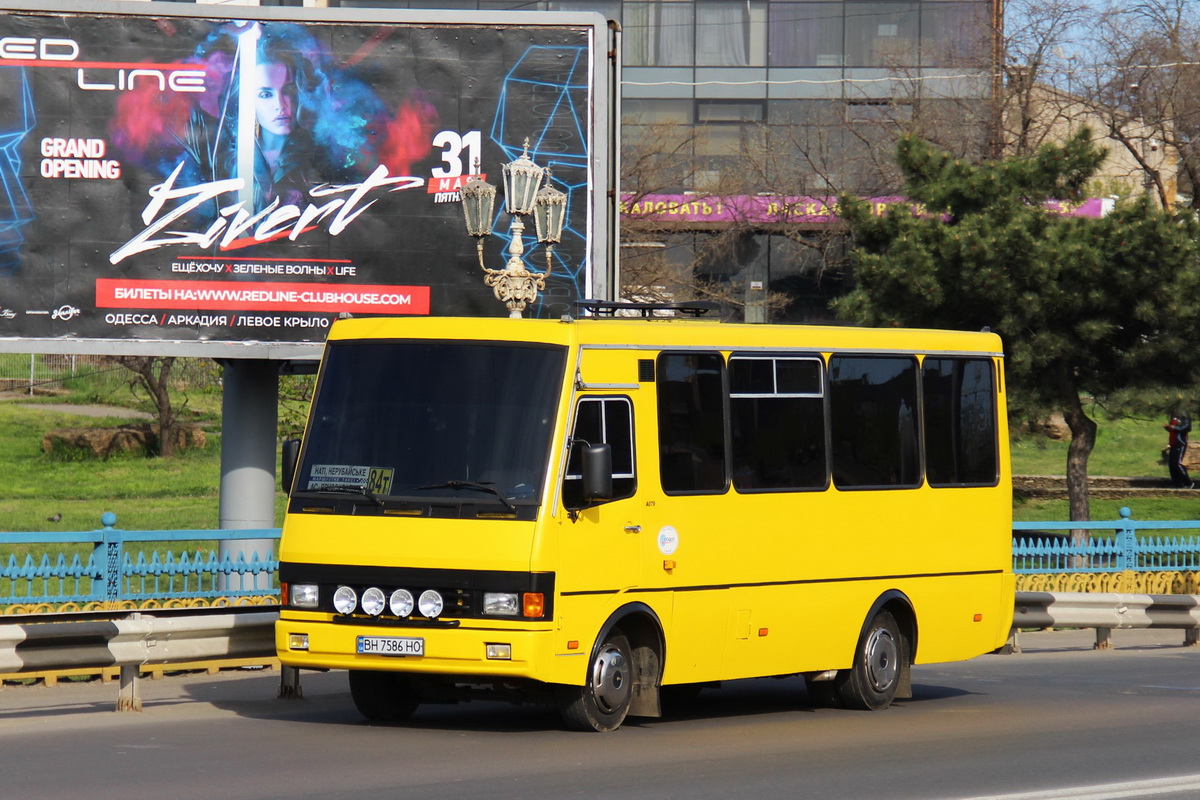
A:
{"x": 175, "y": 177}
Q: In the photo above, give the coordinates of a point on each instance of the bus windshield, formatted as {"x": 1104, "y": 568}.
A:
{"x": 464, "y": 422}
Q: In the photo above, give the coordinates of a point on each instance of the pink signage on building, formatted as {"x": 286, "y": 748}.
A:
{"x": 764, "y": 209}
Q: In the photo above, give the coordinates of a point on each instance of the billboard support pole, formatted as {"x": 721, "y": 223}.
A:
{"x": 249, "y": 412}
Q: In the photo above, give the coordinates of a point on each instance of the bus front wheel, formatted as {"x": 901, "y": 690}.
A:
{"x": 383, "y": 696}
{"x": 602, "y": 703}
{"x": 871, "y": 683}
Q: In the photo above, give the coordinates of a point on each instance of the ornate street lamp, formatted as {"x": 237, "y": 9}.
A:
{"x": 516, "y": 286}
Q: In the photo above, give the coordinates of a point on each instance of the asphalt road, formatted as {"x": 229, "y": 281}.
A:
{"x": 1057, "y": 721}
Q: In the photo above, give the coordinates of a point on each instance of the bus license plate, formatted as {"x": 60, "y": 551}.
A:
{"x": 391, "y": 645}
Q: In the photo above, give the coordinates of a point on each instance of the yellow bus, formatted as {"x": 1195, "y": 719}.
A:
{"x": 591, "y": 510}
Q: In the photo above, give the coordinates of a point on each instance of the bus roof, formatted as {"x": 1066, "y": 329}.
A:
{"x": 672, "y": 333}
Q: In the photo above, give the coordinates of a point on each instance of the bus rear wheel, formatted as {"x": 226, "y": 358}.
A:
{"x": 871, "y": 683}
{"x": 603, "y": 702}
{"x": 383, "y": 696}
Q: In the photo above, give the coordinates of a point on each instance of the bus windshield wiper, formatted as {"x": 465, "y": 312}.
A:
{"x": 479, "y": 487}
{"x": 358, "y": 490}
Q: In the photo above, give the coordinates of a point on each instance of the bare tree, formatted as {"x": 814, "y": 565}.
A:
{"x": 1147, "y": 71}
{"x": 1042, "y": 47}
{"x": 152, "y": 375}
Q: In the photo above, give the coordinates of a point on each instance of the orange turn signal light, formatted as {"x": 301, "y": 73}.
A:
{"x": 979, "y": 617}
{"x": 762, "y": 631}
{"x": 533, "y": 604}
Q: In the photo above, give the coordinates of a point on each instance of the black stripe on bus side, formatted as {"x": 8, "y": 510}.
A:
{"x": 722, "y": 586}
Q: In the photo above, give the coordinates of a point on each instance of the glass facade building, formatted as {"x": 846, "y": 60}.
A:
{"x": 793, "y": 98}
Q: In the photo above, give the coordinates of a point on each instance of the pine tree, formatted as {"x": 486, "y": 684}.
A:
{"x": 1086, "y": 307}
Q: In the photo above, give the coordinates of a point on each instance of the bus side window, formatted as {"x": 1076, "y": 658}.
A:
{"x": 602, "y": 420}
{"x": 960, "y": 421}
{"x": 777, "y": 418}
{"x": 691, "y": 423}
{"x": 875, "y": 422}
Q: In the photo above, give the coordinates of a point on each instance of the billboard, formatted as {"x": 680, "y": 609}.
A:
{"x": 199, "y": 185}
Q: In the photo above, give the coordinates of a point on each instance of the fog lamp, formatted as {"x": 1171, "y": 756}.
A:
{"x": 401, "y": 602}
{"x": 298, "y": 641}
{"x": 430, "y": 603}
{"x": 344, "y": 600}
{"x": 373, "y": 601}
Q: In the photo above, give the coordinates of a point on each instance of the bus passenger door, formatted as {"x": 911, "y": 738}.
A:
{"x": 599, "y": 548}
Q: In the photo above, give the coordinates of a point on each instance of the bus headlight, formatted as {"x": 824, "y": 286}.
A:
{"x": 401, "y": 602}
{"x": 430, "y": 603}
{"x": 500, "y": 603}
{"x": 373, "y": 601}
{"x": 344, "y": 600}
{"x": 303, "y": 595}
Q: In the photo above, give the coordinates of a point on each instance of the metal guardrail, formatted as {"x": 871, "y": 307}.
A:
{"x": 1106, "y": 611}
{"x": 1123, "y": 547}
{"x": 132, "y": 640}
{"x": 109, "y": 573}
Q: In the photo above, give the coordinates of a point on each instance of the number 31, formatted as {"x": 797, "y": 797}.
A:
{"x": 453, "y": 144}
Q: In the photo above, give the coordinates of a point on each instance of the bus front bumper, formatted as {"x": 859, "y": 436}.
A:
{"x": 470, "y": 652}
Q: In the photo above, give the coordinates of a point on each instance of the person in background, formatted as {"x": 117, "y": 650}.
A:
{"x": 1177, "y": 442}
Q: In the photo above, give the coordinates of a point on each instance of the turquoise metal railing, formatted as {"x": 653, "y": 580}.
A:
{"x": 1125, "y": 544}
{"x": 108, "y": 572}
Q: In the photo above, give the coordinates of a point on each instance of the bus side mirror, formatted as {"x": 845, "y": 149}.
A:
{"x": 596, "y": 463}
{"x": 289, "y": 457}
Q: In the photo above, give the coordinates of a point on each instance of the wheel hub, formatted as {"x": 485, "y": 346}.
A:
{"x": 883, "y": 659}
{"x": 610, "y": 679}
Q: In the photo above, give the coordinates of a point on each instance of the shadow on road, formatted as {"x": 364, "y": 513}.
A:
{"x": 327, "y": 701}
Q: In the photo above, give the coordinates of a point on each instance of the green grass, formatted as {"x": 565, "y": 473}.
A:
{"x": 1129, "y": 448}
{"x": 180, "y": 493}
{"x": 1146, "y": 508}
{"x": 1124, "y": 448}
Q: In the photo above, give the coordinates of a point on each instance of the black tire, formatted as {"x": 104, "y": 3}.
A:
{"x": 383, "y": 696}
{"x": 603, "y": 702}
{"x": 871, "y": 683}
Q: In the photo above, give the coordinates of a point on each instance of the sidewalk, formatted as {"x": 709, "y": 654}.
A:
{"x": 1085, "y": 639}
{"x": 233, "y": 687}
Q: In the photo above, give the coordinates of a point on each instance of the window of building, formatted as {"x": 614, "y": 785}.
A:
{"x": 874, "y": 421}
{"x": 722, "y": 33}
{"x": 960, "y": 422}
{"x": 658, "y": 34}
{"x": 602, "y": 420}
{"x": 955, "y": 34}
{"x": 806, "y": 34}
{"x": 777, "y": 420}
{"x": 657, "y": 111}
{"x": 691, "y": 422}
{"x": 881, "y": 34}
{"x": 732, "y": 111}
